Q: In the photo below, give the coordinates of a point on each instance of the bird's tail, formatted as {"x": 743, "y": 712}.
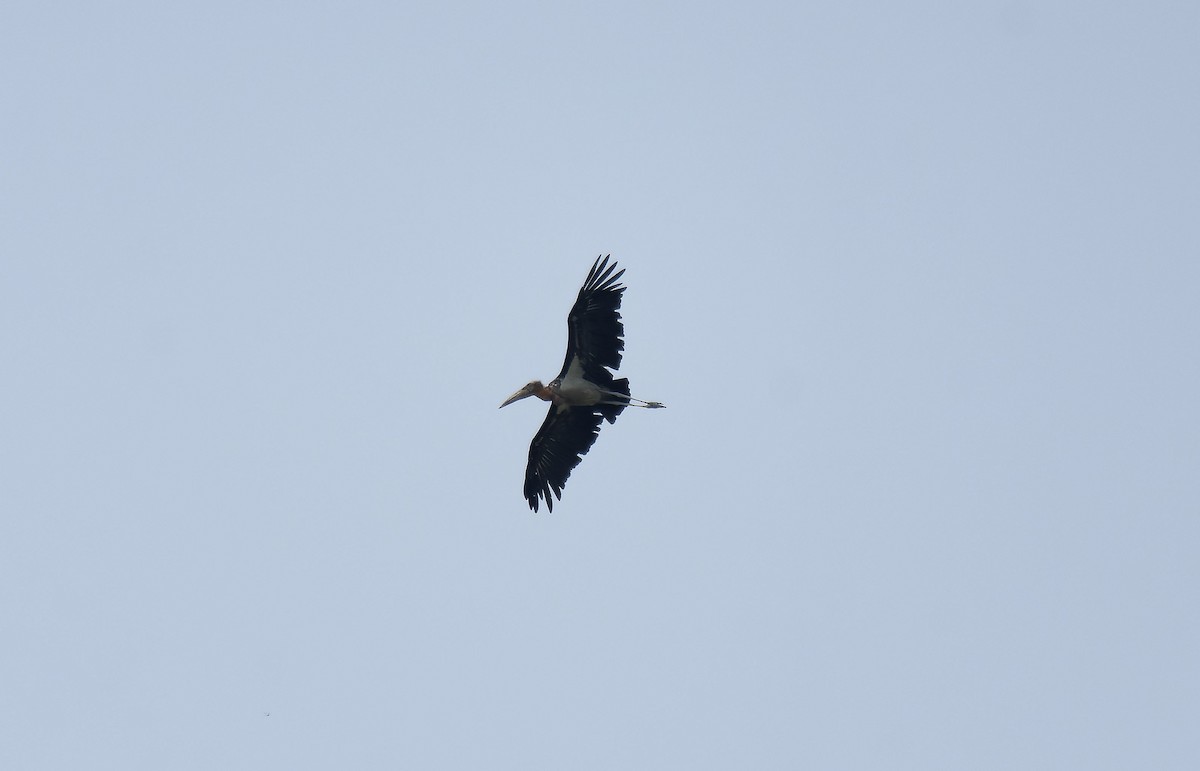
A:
{"x": 611, "y": 411}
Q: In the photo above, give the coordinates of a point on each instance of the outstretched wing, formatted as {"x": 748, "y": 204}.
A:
{"x": 565, "y": 437}
{"x": 594, "y": 329}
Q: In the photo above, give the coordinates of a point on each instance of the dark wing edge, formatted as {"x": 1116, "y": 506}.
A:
{"x": 557, "y": 448}
{"x": 594, "y": 330}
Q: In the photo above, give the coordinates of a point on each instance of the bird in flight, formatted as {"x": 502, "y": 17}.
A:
{"x": 584, "y": 394}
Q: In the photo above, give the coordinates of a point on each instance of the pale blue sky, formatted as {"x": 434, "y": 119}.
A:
{"x": 918, "y": 282}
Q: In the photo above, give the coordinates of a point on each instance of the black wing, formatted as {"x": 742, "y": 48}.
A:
{"x": 564, "y": 438}
{"x": 594, "y": 329}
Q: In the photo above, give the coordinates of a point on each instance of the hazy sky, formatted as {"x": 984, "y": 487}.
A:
{"x": 917, "y": 281}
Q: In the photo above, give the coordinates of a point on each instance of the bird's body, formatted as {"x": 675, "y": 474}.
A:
{"x": 585, "y": 393}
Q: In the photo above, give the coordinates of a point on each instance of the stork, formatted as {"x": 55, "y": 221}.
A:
{"x": 584, "y": 394}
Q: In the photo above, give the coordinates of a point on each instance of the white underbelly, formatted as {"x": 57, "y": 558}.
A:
{"x": 575, "y": 390}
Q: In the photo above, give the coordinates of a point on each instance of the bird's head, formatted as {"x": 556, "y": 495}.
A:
{"x": 533, "y": 387}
